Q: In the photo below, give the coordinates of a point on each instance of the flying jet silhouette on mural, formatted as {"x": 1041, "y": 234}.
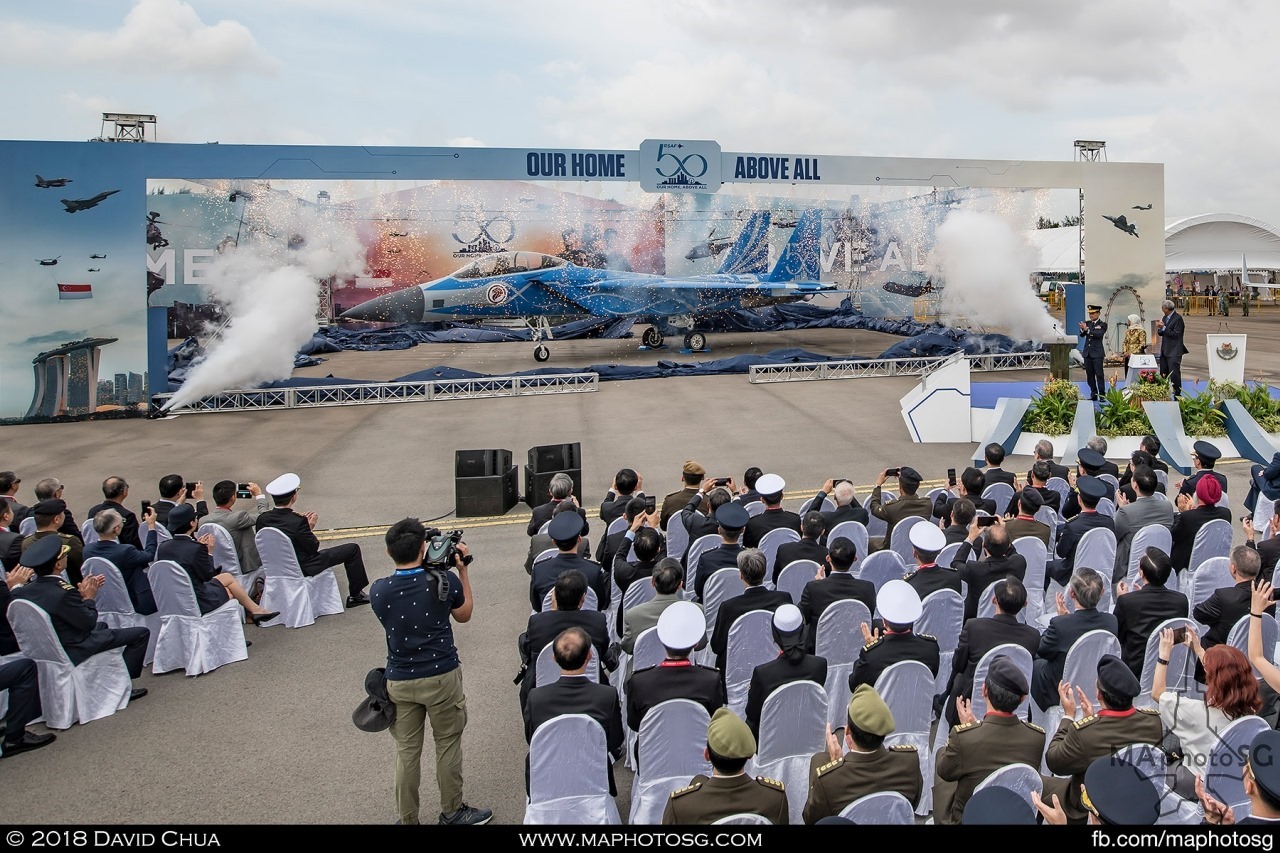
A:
{"x": 51, "y": 182}
{"x": 1123, "y": 224}
{"x": 74, "y": 204}
{"x": 95, "y": 257}
{"x": 1142, "y": 207}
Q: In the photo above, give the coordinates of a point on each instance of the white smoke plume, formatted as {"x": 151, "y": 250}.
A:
{"x": 987, "y": 268}
{"x": 270, "y": 293}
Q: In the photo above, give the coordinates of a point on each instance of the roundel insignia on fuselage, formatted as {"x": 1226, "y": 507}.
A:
{"x": 498, "y": 294}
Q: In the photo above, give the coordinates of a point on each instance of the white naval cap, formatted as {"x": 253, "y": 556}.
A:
{"x": 898, "y": 602}
{"x": 284, "y": 484}
{"x": 927, "y": 536}
{"x": 682, "y": 625}
{"x": 770, "y": 484}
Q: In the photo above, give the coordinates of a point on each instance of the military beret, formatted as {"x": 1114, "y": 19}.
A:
{"x": 898, "y": 602}
{"x": 770, "y": 484}
{"x": 1264, "y": 761}
{"x": 910, "y": 475}
{"x": 869, "y": 712}
{"x": 180, "y": 517}
{"x": 926, "y": 536}
{"x": 51, "y": 506}
{"x": 1031, "y": 498}
{"x": 1115, "y": 677}
{"x": 997, "y": 805}
{"x": 1091, "y": 458}
{"x": 1120, "y": 793}
{"x": 694, "y": 468}
{"x": 729, "y": 737}
{"x": 284, "y": 484}
{"x": 42, "y": 553}
{"x": 565, "y": 526}
{"x": 1206, "y": 451}
{"x": 1092, "y": 487}
{"x": 732, "y": 516}
{"x": 1004, "y": 673}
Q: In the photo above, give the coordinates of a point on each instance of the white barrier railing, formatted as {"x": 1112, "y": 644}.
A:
{"x": 921, "y": 366}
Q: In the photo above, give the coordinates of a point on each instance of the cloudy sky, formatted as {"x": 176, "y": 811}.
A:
{"x": 1189, "y": 85}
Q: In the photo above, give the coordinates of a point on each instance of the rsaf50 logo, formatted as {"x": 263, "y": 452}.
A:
{"x": 480, "y": 233}
{"x": 680, "y": 166}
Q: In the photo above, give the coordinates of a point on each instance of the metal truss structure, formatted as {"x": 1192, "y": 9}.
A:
{"x": 892, "y": 367}
{"x": 366, "y": 393}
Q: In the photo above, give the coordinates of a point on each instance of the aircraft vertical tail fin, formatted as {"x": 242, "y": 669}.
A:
{"x": 750, "y": 252}
{"x": 800, "y": 259}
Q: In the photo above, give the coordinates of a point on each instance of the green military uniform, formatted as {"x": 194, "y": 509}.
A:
{"x": 708, "y": 799}
{"x": 975, "y": 751}
{"x": 835, "y": 784}
{"x": 1077, "y": 743}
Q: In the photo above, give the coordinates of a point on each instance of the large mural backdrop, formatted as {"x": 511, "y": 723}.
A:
{"x": 113, "y": 252}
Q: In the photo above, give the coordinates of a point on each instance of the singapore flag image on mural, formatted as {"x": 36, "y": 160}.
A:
{"x": 75, "y": 291}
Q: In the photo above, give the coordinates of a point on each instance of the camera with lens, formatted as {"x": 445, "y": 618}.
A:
{"x": 441, "y": 548}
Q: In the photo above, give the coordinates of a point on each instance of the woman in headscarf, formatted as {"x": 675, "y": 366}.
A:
{"x": 792, "y": 664}
{"x": 1135, "y": 339}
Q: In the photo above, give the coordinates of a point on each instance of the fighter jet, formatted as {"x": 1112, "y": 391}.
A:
{"x": 1123, "y": 224}
{"x": 94, "y": 257}
{"x": 913, "y": 289}
{"x": 51, "y": 183}
{"x": 94, "y": 269}
{"x": 74, "y": 204}
{"x": 534, "y": 287}
{"x": 48, "y": 262}
{"x": 1142, "y": 207}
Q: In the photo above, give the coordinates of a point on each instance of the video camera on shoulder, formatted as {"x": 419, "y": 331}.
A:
{"x": 441, "y": 548}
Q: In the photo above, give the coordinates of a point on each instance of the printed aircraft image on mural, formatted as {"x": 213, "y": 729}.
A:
{"x": 534, "y": 287}
{"x": 50, "y": 183}
{"x": 74, "y": 204}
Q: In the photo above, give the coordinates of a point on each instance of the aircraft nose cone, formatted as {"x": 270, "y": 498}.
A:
{"x": 403, "y": 306}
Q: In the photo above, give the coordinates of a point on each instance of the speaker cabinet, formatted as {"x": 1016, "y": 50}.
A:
{"x": 545, "y": 462}
{"x": 485, "y": 483}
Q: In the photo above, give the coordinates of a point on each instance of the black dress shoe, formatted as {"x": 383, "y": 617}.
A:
{"x": 357, "y": 599}
{"x": 30, "y": 741}
{"x": 138, "y": 693}
{"x": 248, "y": 643}
{"x": 259, "y": 618}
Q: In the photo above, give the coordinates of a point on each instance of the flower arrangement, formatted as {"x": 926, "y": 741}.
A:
{"x": 1053, "y": 409}
{"x": 1150, "y": 386}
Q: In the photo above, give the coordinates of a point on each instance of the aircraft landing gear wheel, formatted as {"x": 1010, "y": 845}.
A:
{"x": 541, "y": 353}
{"x": 651, "y": 338}
{"x": 695, "y": 341}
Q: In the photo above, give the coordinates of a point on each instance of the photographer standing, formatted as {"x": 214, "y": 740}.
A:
{"x": 424, "y": 677}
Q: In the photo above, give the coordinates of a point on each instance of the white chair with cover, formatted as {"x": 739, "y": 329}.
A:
{"x": 947, "y": 555}
{"x": 162, "y": 534}
{"x": 885, "y": 808}
{"x": 828, "y": 505}
{"x": 1150, "y": 536}
{"x": 1162, "y": 477}
{"x": 877, "y": 526}
{"x": 1239, "y": 638}
{"x": 793, "y": 723}
{"x": 772, "y": 541}
{"x": 1151, "y": 762}
{"x": 298, "y": 598}
{"x": 696, "y": 550}
{"x": 618, "y": 525}
{"x": 1037, "y": 557}
{"x": 1208, "y": 577}
{"x": 114, "y": 605}
{"x": 1022, "y": 779}
{"x": 933, "y": 495}
{"x": 546, "y": 554}
{"x": 27, "y": 526}
{"x": 671, "y": 739}
{"x": 750, "y": 644}
{"x": 723, "y": 585}
{"x": 907, "y": 688}
{"x": 1224, "y": 777}
{"x": 882, "y": 567}
{"x": 1001, "y": 493}
{"x": 548, "y": 671}
{"x": 839, "y": 641}
{"x": 855, "y": 532}
{"x": 225, "y": 558}
{"x": 794, "y": 576}
{"x": 1212, "y": 540}
{"x": 1061, "y": 486}
{"x": 188, "y": 640}
{"x": 589, "y": 600}
{"x": 754, "y": 508}
{"x": 677, "y": 537}
{"x": 1110, "y": 478}
{"x": 1097, "y": 550}
{"x": 568, "y": 774}
{"x": 900, "y": 540}
{"x": 640, "y": 591}
{"x": 1019, "y": 657}
{"x": 942, "y": 617}
{"x": 745, "y": 818}
{"x": 648, "y": 651}
{"x": 1263, "y": 510}
{"x": 1050, "y": 518}
{"x": 1179, "y": 675}
{"x": 69, "y": 693}
{"x": 87, "y": 533}
{"x": 1080, "y": 670}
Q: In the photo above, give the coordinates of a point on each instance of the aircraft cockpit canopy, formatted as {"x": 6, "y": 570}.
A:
{"x": 507, "y": 263}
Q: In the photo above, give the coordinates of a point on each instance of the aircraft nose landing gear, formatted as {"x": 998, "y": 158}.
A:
{"x": 541, "y": 353}
{"x": 652, "y": 338}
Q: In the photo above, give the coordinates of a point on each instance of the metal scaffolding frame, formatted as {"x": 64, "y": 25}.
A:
{"x": 367, "y": 393}
{"x": 808, "y": 371}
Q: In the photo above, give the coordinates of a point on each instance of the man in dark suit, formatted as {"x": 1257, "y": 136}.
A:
{"x": 1203, "y": 457}
{"x": 748, "y": 494}
{"x": 756, "y": 596}
{"x": 51, "y": 488}
{"x": 1024, "y": 523}
{"x": 1139, "y": 611}
{"x": 979, "y": 636}
{"x": 114, "y": 493}
{"x": 574, "y": 693}
{"x": 993, "y": 453}
{"x": 173, "y": 491}
{"x": 839, "y": 585}
{"x": 691, "y": 474}
{"x": 699, "y": 522}
{"x": 1194, "y": 514}
{"x": 1064, "y": 629}
{"x": 1044, "y": 453}
{"x": 1268, "y": 550}
{"x": 681, "y": 627}
{"x": 566, "y": 531}
{"x": 731, "y": 519}
{"x": 72, "y": 611}
{"x": 899, "y": 609}
{"x": 566, "y": 603}
{"x": 612, "y": 543}
{"x": 1094, "y": 332}
{"x": 774, "y": 516}
{"x": 1172, "y": 348}
{"x": 626, "y": 484}
{"x": 907, "y": 504}
{"x": 812, "y": 528}
{"x": 298, "y": 527}
{"x": 1089, "y": 463}
{"x": 10, "y": 541}
{"x": 1142, "y": 459}
{"x": 212, "y": 588}
{"x": 962, "y": 514}
{"x": 927, "y": 541}
{"x": 9, "y": 483}
{"x": 21, "y": 679}
{"x": 1001, "y": 562}
{"x": 1091, "y": 490}
{"x": 14, "y": 578}
{"x": 846, "y": 500}
{"x": 972, "y": 482}
{"x": 1037, "y": 481}
{"x": 560, "y": 488}
{"x": 132, "y": 562}
{"x": 792, "y": 664}
{"x": 1227, "y": 606}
